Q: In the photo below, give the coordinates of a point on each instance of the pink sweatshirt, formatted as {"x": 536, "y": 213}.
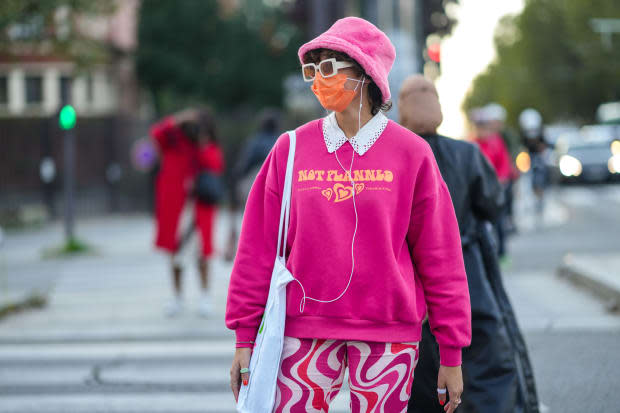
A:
{"x": 408, "y": 257}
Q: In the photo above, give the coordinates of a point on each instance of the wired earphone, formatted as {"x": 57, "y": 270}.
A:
{"x": 348, "y": 173}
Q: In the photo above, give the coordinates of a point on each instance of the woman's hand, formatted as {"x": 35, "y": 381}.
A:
{"x": 452, "y": 379}
{"x": 240, "y": 361}
{"x": 186, "y": 115}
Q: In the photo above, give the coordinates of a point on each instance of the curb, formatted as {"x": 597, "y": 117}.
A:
{"x": 602, "y": 284}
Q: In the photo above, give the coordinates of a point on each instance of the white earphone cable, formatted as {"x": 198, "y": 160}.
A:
{"x": 349, "y": 173}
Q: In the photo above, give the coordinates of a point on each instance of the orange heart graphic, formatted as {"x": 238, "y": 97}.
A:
{"x": 327, "y": 193}
{"x": 359, "y": 188}
{"x": 342, "y": 192}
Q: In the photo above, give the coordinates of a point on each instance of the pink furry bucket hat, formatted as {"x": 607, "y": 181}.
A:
{"x": 362, "y": 41}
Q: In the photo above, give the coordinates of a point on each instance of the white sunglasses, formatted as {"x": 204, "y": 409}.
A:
{"x": 328, "y": 68}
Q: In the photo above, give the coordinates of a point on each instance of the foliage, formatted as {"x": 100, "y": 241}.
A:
{"x": 51, "y": 27}
{"x": 72, "y": 247}
{"x": 193, "y": 51}
{"x": 550, "y": 58}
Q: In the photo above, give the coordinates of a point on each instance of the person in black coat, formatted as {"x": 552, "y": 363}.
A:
{"x": 251, "y": 158}
{"x": 496, "y": 369}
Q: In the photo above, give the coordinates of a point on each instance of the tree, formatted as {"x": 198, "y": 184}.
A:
{"x": 196, "y": 51}
{"x": 51, "y": 27}
{"x": 549, "y": 58}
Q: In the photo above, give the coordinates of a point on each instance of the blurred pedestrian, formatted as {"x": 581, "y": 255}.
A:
{"x": 493, "y": 147}
{"x": 253, "y": 154}
{"x": 531, "y": 125}
{"x": 357, "y": 301}
{"x": 187, "y": 143}
{"x": 494, "y": 365}
{"x": 496, "y": 115}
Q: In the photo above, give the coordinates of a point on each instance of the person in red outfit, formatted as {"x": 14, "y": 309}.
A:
{"x": 187, "y": 144}
{"x": 493, "y": 147}
{"x": 495, "y": 150}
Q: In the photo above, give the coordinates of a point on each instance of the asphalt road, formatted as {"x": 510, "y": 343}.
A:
{"x": 574, "y": 343}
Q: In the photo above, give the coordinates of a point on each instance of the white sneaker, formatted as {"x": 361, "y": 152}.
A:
{"x": 205, "y": 307}
{"x": 174, "y": 307}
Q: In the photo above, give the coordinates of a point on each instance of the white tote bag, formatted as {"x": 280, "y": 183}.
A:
{"x": 260, "y": 393}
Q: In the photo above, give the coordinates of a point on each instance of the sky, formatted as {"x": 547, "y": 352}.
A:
{"x": 466, "y": 53}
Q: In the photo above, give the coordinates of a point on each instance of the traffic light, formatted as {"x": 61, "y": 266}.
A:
{"x": 432, "y": 57}
{"x": 66, "y": 117}
{"x": 434, "y": 52}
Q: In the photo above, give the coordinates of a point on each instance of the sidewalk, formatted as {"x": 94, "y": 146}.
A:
{"x": 100, "y": 289}
{"x": 600, "y": 273}
{"x": 24, "y": 275}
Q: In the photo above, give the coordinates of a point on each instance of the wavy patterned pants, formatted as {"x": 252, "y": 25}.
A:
{"x": 312, "y": 372}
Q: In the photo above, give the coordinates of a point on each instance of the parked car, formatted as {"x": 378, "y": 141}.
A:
{"x": 591, "y": 156}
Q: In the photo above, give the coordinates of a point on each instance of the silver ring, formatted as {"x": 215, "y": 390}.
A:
{"x": 441, "y": 391}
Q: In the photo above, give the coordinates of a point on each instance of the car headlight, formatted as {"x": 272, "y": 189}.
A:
{"x": 614, "y": 164}
{"x": 615, "y": 147}
{"x": 570, "y": 166}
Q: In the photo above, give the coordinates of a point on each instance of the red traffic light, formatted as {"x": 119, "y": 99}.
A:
{"x": 434, "y": 52}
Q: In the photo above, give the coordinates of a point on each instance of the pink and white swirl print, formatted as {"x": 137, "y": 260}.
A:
{"x": 312, "y": 373}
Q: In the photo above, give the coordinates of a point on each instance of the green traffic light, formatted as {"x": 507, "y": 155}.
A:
{"x": 66, "y": 119}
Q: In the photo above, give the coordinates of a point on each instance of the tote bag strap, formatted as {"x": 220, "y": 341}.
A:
{"x": 285, "y": 208}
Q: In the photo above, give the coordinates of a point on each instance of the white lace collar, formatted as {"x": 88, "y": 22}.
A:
{"x": 365, "y": 138}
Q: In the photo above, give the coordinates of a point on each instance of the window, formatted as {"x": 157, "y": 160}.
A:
{"x": 28, "y": 29}
{"x": 34, "y": 90}
{"x": 65, "y": 90}
{"x": 4, "y": 90}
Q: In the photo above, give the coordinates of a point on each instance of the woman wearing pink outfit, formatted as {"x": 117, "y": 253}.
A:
{"x": 373, "y": 244}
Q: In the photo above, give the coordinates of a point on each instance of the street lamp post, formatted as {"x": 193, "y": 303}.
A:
{"x": 66, "y": 120}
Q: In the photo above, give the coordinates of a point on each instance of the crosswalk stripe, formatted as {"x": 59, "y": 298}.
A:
{"x": 125, "y": 334}
{"x": 123, "y": 403}
{"x": 134, "y": 350}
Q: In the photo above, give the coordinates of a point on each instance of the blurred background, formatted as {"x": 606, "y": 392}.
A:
{"x": 82, "y": 81}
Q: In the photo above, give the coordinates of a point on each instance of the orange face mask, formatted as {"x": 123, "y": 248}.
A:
{"x": 331, "y": 92}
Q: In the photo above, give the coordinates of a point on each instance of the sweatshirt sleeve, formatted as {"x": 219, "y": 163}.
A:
{"x": 256, "y": 252}
{"x": 435, "y": 245}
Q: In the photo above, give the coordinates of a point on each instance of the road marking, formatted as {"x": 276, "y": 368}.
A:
{"x": 150, "y": 402}
{"x": 116, "y": 350}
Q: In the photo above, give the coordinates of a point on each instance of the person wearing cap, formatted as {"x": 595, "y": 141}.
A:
{"x": 493, "y": 147}
{"x": 494, "y": 381}
{"x": 373, "y": 244}
{"x": 497, "y": 123}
